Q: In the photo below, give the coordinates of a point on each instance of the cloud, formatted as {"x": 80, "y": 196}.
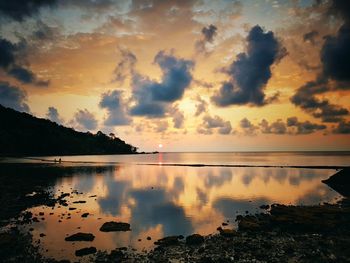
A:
{"x": 335, "y": 55}
{"x": 208, "y": 34}
{"x": 20, "y": 9}
{"x": 53, "y": 115}
{"x": 153, "y": 98}
{"x": 85, "y": 120}
{"x": 311, "y": 37}
{"x": 335, "y": 74}
{"x": 161, "y": 126}
{"x": 13, "y": 97}
{"x": 116, "y": 113}
{"x": 320, "y": 108}
{"x": 342, "y": 128}
{"x": 178, "y": 117}
{"x": 201, "y": 106}
{"x": 125, "y": 66}
{"x": 12, "y": 56}
{"x": 248, "y": 127}
{"x": 277, "y": 127}
{"x": 210, "y": 123}
{"x": 304, "y": 127}
{"x": 251, "y": 71}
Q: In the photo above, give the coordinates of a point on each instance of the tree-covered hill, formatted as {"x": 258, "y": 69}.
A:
{"x": 22, "y": 134}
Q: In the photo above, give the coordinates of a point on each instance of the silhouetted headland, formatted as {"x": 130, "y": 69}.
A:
{"x": 22, "y": 134}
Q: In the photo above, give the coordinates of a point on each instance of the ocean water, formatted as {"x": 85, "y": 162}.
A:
{"x": 164, "y": 199}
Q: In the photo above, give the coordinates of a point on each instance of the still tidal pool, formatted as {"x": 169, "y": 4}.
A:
{"x": 160, "y": 201}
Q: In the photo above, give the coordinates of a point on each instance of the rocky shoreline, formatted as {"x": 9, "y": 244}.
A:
{"x": 318, "y": 233}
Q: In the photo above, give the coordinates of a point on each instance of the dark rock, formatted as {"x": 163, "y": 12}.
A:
{"x": 85, "y": 251}
{"x": 79, "y": 202}
{"x": 168, "y": 241}
{"x": 224, "y": 224}
{"x": 115, "y": 226}
{"x": 194, "y": 239}
{"x": 41, "y": 213}
{"x": 80, "y": 237}
{"x": 149, "y": 238}
{"x": 72, "y": 208}
{"x": 265, "y": 207}
{"x": 227, "y": 232}
{"x": 42, "y": 235}
{"x": 85, "y": 215}
{"x": 340, "y": 182}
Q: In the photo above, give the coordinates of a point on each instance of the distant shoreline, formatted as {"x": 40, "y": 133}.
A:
{"x": 335, "y": 167}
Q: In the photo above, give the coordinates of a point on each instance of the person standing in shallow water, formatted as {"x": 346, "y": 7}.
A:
{"x": 59, "y": 160}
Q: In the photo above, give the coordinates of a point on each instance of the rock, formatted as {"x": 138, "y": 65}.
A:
{"x": 91, "y": 196}
{"x": 224, "y": 224}
{"x": 194, "y": 239}
{"x": 340, "y": 182}
{"x": 63, "y": 195}
{"x": 80, "y": 237}
{"x": 265, "y": 207}
{"x": 115, "y": 226}
{"x": 149, "y": 238}
{"x": 85, "y": 215}
{"x": 168, "y": 241}
{"x": 41, "y": 214}
{"x": 85, "y": 251}
{"x": 42, "y": 235}
{"x": 72, "y": 208}
{"x": 227, "y": 232}
{"x": 79, "y": 202}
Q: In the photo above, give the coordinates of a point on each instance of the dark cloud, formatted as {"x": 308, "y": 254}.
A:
{"x": 12, "y": 56}
{"x": 277, "y": 127}
{"x": 335, "y": 74}
{"x": 7, "y": 50}
{"x": 292, "y": 126}
{"x": 45, "y": 32}
{"x": 125, "y": 65}
{"x": 53, "y": 115}
{"x": 335, "y": 55}
{"x": 209, "y": 123}
{"x": 342, "y": 128}
{"x": 20, "y": 9}
{"x": 305, "y": 98}
{"x": 13, "y": 97}
{"x": 85, "y": 120}
{"x": 311, "y": 36}
{"x": 208, "y": 34}
{"x": 251, "y": 71}
{"x": 112, "y": 101}
{"x": 305, "y": 127}
{"x": 152, "y": 97}
{"x": 247, "y": 126}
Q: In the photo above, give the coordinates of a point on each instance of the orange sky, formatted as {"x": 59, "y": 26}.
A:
{"x": 160, "y": 47}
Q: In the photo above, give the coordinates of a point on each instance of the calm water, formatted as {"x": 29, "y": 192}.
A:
{"x": 171, "y": 200}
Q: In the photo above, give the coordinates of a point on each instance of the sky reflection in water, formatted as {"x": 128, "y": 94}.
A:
{"x": 160, "y": 201}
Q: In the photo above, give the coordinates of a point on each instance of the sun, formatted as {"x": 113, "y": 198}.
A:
{"x": 160, "y": 145}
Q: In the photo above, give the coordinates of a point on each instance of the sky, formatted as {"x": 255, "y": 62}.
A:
{"x": 192, "y": 75}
